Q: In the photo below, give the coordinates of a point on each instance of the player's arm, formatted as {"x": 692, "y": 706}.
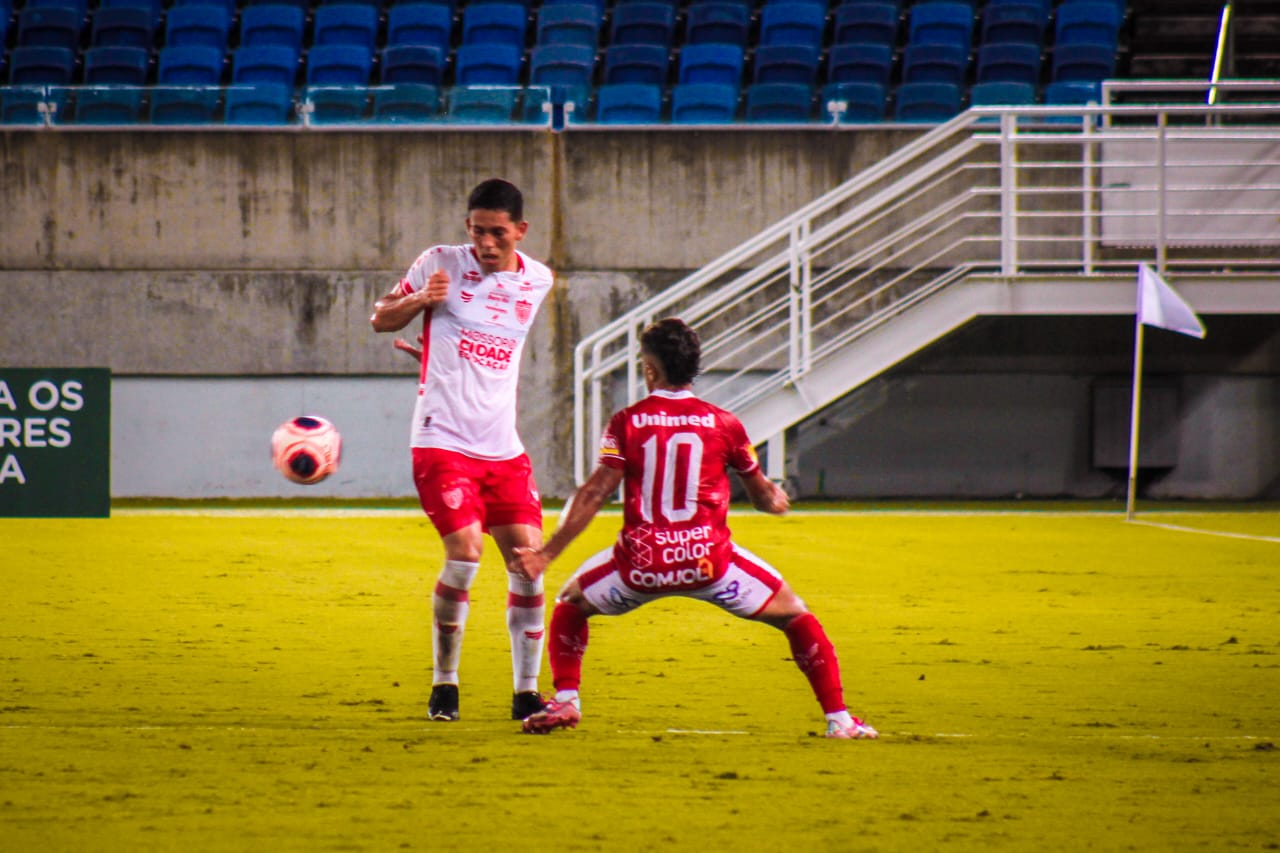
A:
{"x": 766, "y": 495}
{"x": 582, "y": 507}
{"x": 396, "y": 310}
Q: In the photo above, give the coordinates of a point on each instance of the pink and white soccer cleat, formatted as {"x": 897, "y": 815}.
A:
{"x": 857, "y": 731}
{"x": 557, "y": 715}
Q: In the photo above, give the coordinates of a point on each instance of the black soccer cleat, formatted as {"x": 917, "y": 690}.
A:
{"x": 525, "y": 703}
{"x": 443, "y": 705}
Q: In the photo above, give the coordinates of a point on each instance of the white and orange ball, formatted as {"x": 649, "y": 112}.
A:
{"x": 306, "y": 449}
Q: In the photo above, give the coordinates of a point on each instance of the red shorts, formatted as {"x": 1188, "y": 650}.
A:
{"x": 456, "y": 490}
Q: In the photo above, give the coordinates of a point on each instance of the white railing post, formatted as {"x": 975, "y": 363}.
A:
{"x": 1008, "y": 194}
{"x": 1089, "y": 200}
{"x": 1162, "y": 253}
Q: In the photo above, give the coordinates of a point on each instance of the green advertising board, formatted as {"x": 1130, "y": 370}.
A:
{"x": 55, "y": 442}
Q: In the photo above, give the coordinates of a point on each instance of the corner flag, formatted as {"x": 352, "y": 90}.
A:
{"x": 1160, "y": 305}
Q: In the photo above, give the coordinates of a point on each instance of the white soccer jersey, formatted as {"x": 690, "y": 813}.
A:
{"x": 471, "y": 352}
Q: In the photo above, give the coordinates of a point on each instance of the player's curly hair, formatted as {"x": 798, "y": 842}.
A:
{"x": 497, "y": 194}
{"x": 676, "y": 347}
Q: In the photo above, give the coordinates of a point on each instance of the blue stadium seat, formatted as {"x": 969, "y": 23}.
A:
{"x": 562, "y": 64}
{"x": 114, "y": 65}
{"x": 943, "y": 22}
{"x": 81, "y": 7}
{"x": 124, "y": 26}
{"x": 785, "y": 63}
{"x": 190, "y": 65}
{"x": 715, "y": 22}
{"x": 926, "y": 102}
{"x": 555, "y": 105}
{"x": 569, "y": 23}
{"x": 108, "y": 105}
{"x": 346, "y": 23}
{"x": 198, "y": 24}
{"x": 712, "y": 63}
{"x": 487, "y": 65}
{"x": 866, "y": 23}
{"x": 30, "y": 65}
{"x": 184, "y": 104}
{"x": 704, "y": 103}
{"x": 854, "y": 102}
{"x": 1070, "y": 93}
{"x": 779, "y": 103}
{"x": 482, "y": 104}
{"x": 1044, "y": 6}
{"x": 1002, "y": 93}
{"x": 264, "y": 63}
{"x": 260, "y": 103}
{"x": 642, "y": 22}
{"x": 228, "y": 6}
{"x": 406, "y": 103}
{"x": 490, "y": 23}
{"x": 788, "y": 22}
{"x": 336, "y": 104}
{"x": 597, "y": 5}
{"x": 339, "y": 65}
{"x": 24, "y": 104}
{"x": 636, "y": 63}
{"x": 154, "y": 7}
{"x": 1019, "y": 22}
{"x": 1086, "y": 62}
{"x": 629, "y": 103}
{"x": 1087, "y": 23}
{"x": 304, "y": 5}
{"x": 413, "y": 63}
{"x": 934, "y": 63}
{"x": 49, "y": 27}
{"x": 1009, "y": 62}
{"x": 272, "y": 24}
{"x": 859, "y": 63}
{"x": 420, "y": 23}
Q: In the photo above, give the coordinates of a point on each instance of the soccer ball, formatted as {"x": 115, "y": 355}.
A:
{"x": 306, "y": 449}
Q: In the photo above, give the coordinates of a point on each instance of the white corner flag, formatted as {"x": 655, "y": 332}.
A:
{"x": 1160, "y": 305}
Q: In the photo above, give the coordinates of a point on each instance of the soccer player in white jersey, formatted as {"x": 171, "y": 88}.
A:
{"x": 473, "y": 477}
{"x": 671, "y": 452}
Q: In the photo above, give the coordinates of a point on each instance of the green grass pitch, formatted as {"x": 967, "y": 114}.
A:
{"x": 1042, "y": 681}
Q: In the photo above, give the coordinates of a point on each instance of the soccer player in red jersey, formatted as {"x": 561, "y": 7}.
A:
{"x": 671, "y": 453}
{"x": 478, "y": 301}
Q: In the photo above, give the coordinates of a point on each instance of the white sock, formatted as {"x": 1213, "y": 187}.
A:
{"x": 842, "y": 718}
{"x": 525, "y": 623}
{"x": 450, "y": 605}
{"x": 569, "y": 696}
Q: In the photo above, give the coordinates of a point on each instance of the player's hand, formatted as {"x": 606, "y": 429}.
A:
{"x": 437, "y": 289}
{"x": 404, "y": 346}
{"x": 530, "y": 563}
{"x": 777, "y": 502}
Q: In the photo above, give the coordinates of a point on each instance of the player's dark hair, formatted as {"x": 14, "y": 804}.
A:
{"x": 676, "y": 347}
{"x": 497, "y": 194}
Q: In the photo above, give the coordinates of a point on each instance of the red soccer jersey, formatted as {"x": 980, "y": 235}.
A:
{"x": 675, "y": 451}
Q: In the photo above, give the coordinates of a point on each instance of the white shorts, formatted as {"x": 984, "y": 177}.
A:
{"x": 746, "y": 587}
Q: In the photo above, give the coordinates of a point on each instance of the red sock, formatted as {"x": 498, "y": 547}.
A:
{"x": 816, "y": 658}
{"x": 568, "y": 643}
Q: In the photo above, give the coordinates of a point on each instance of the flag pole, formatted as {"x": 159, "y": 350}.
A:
{"x": 1135, "y": 409}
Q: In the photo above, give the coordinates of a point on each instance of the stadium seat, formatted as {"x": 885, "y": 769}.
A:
{"x": 555, "y": 105}
{"x": 336, "y": 104}
{"x": 190, "y": 65}
{"x": 642, "y": 23}
{"x": 569, "y": 23}
{"x": 304, "y": 5}
{"x": 943, "y": 22}
{"x": 866, "y": 23}
{"x": 1009, "y": 62}
{"x": 155, "y": 8}
{"x": 859, "y": 63}
{"x": 53, "y": 26}
{"x": 26, "y": 104}
{"x": 260, "y": 103}
{"x": 1044, "y": 6}
{"x": 264, "y": 63}
{"x": 926, "y": 102}
{"x": 1018, "y": 22}
{"x": 1087, "y": 23}
{"x": 1070, "y": 93}
{"x": 108, "y": 105}
{"x": 704, "y": 103}
{"x": 715, "y": 22}
{"x": 712, "y": 63}
{"x": 346, "y": 23}
{"x": 629, "y": 103}
{"x": 788, "y": 22}
{"x": 1002, "y": 93}
{"x": 934, "y": 63}
{"x": 272, "y": 24}
{"x": 124, "y": 26}
{"x": 779, "y": 103}
{"x": 487, "y": 65}
{"x": 33, "y": 65}
{"x": 406, "y": 103}
{"x": 109, "y": 64}
{"x": 854, "y": 102}
{"x": 785, "y": 63}
{"x": 495, "y": 23}
{"x": 80, "y": 7}
{"x": 482, "y": 104}
{"x": 339, "y": 65}
{"x": 562, "y": 64}
{"x": 202, "y": 24}
{"x": 597, "y": 5}
{"x": 412, "y": 63}
{"x": 1086, "y": 62}
{"x": 184, "y": 104}
{"x": 420, "y": 23}
{"x": 227, "y": 6}
{"x": 636, "y": 63}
